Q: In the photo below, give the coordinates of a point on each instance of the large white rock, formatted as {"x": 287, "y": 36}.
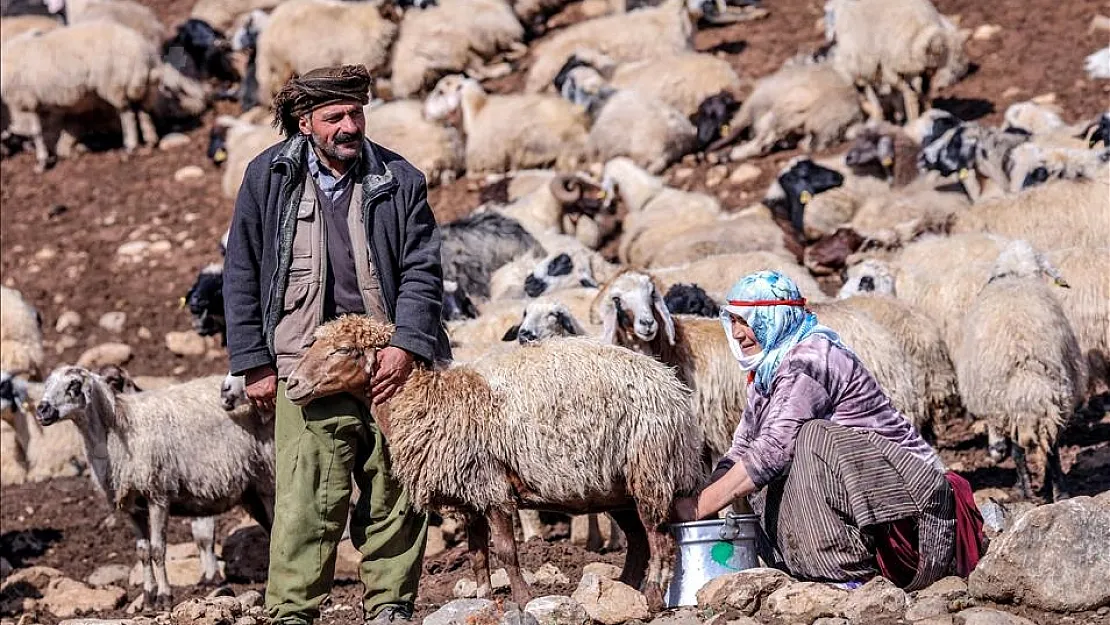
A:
{"x": 987, "y": 616}
{"x": 557, "y": 610}
{"x": 805, "y": 602}
{"x": 457, "y": 612}
{"x": 1056, "y": 557}
{"x": 743, "y": 591}
{"x": 64, "y": 598}
{"x": 610, "y": 602}
{"x": 878, "y": 602}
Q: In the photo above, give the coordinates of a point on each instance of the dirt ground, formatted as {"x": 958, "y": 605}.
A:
{"x": 59, "y": 233}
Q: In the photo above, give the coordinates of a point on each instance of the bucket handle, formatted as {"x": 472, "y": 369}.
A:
{"x": 730, "y": 531}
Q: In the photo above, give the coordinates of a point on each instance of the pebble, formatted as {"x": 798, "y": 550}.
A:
{"x": 174, "y": 140}
{"x": 189, "y": 172}
{"x": 113, "y": 321}
{"x": 144, "y": 334}
{"x": 132, "y": 250}
{"x": 46, "y": 253}
{"x": 160, "y": 247}
{"x": 986, "y": 31}
{"x": 68, "y": 320}
{"x": 715, "y": 176}
{"x": 185, "y": 343}
{"x": 746, "y": 172}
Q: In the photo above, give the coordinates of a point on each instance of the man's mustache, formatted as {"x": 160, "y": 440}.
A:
{"x": 346, "y": 137}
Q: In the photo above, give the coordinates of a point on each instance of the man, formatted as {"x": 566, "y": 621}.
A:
{"x": 329, "y": 223}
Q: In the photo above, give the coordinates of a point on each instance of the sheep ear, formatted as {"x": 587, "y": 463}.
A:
{"x": 608, "y": 323}
{"x": 664, "y": 315}
{"x": 569, "y": 325}
{"x": 511, "y": 333}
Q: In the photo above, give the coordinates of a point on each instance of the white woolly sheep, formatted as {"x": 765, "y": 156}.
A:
{"x": 647, "y": 33}
{"x": 20, "y": 335}
{"x": 12, "y": 27}
{"x": 1020, "y": 368}
{"x": 526, "y": 430}
{"x": 1087, "y": 306}
{"x": 303, "y": 35}
{"x": 633, "y": 314}
{"x": 810, "y": 103}
{"x": 133, "y": 15}
{"x": 904, "y": 44}
{"x": 560, "y": 205}
{"x": 449, "y": 38}
{"x": 60, "y": 69}
{"x": 152, "y": 455}
{"x": 749, "y": 230}
{"x": 544, "y": 319}
{"x": 234, "y": 143}
{"x": 716, "y": 274}
{"x": 224, "y": 15}
{"x": 506, "y": 132}
{"x": 434, "y": 149}
{"x": 557, "y": 271}
{"x": 629, "y": 123}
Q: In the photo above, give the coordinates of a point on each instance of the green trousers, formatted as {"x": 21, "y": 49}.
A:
{"x": 319, "y": 448}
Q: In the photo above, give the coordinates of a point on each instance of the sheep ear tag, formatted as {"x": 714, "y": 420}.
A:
{"x": 726, "y": 130}
{"x": 963, "y": 174}
{"x": 220, "y": 155}
{"x": 181, "y": 303}
{"x": 887, "y": 161}
{"x": 805, "y": 197}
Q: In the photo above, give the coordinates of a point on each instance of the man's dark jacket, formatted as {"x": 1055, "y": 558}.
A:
{"x": 404, "y": 241}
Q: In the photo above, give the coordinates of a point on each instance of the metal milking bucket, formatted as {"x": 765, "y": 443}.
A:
{"x": 709, "y": 549}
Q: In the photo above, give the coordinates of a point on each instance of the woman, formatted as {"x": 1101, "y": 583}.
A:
{"x": 844, "y": 485}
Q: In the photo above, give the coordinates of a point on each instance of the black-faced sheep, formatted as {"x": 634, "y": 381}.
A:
{"x": 690, "y": 299}
{"x": 525, "y": 429}
{"x": 200, "y": 52}
{"x": 205, "y": 301}
{"x": 152, "y": 454}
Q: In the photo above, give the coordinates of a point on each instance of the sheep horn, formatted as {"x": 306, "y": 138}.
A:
{"x": 566, "y": 189}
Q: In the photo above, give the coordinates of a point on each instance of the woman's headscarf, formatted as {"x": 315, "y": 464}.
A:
{"x": 776, "y": 311}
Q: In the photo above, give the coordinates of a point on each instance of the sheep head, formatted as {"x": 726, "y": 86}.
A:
{"x": 67, "y": 394}
{"x": 205, "y": 300}
{"x": 796, "y": 187}
{"x": 448, "y": 96}
{"x": 543, "y": 320}
{"x": 341, "y": 359}
{"x": 712, "y": 118}
{"x": 870, "y": 276}
{"x": 632, "y": 310}
{"x": 1020, "y": 260}
{"x": 13, "y": 396}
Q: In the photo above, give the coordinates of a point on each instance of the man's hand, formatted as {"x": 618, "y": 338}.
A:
{"x": 262, "y": 387}
{"x": 394, "y": 367}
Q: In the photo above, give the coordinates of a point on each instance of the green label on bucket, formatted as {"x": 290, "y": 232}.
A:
{"x": 721, "y": 553}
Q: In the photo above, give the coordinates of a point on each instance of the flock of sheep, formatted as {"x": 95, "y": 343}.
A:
{"x": 974, "y": 258}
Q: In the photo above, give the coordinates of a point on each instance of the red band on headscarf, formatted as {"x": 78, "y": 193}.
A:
{"x": 767, "y": 302}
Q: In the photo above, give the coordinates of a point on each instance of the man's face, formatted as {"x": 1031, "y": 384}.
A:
{"x": 336, "y": 129}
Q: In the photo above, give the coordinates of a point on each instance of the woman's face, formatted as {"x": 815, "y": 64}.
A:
{"x": 744, "y": 334}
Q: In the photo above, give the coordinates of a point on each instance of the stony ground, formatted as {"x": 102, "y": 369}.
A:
{"x": 60, "y": 232}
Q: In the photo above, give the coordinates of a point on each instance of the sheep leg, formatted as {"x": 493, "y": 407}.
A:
{"x": 130, "y": 129}
{"x": 997, "y": 444}
{"x": 658, "y": 548}
{"x": 637, "y": 556}
{"x": 504, "y": 545}
{"x": 477, "y": 544}
{"x": 260, "y": 508}
{"x": 42, "y": 155}
{"x": 910, "y": 100}
{"x": 616, "y": 536}
{"x": 970, "y": 182}
{"x": 140, "y": 521}
{"x": 763, "y": 138}
{"x": 1018, "y": 453}
{"x": 871, "y": 104}
{"x": 1055, "y": 489}
{"x": 146, "y": 125}
{"x": 531, "y": 525}
{"x": 159, "y": 517}
{"x": 204, "y": 535}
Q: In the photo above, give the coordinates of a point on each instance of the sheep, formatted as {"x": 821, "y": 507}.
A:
{"x": 152, "y": 455}
{"x": 224, "y": 14}
{"x": 59, "y": 70}
{"x": 475, "y": 246}
{"x": 205, "y": 300}
{"x": 506, "y": 132}
{"x": 906, "y": 44}
{"x": 20, "y": 335}
{"x": 1019, "y": 365}
{"x": 647, "y": 33}
{"x": 533, "y": 14}
{"x": 749, "y": 230}
{"x": 233, "y": 144}
{"x": 1086, "y": 306}
{"x": 12, "y": 27}
{"x": 36, "y": 456}
{"x": 716, "y": 274}
{"x": 557, "y": 271}
{"x": 1057, "y": 214}
{"x": 932, "y": 369}
{"x": 434, "y": 149}
{"x": 302, "y": 35}
{"x": 544, "y": 319}
{"x": 525, "y": 429}
{"x": 559, "y": 205}
{"x": 245, "y": 41}
{"x": 133, "y": 15}
{"x": 690, "y": 299}
{"x": 453, "y": 36}
{"x": 199, "y": 51}
{"x": 474, "y": 338}
{"x": 683, "y": 80}
{"x": 633, "y": 314}
{"x": 627, "y": 122}
{"x": 810, "y": 102}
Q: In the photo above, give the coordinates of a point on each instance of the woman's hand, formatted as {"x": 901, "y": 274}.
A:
{"x": 684, "y": 509}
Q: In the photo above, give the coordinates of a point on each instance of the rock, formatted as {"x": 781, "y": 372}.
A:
{"x": 878, "y": 601}
{"x": 246, "y": 554}
{"x": 182, "y": 566}
{"x": 715, "y": 176}
{"x": 214, "y": 611}
{"x": 743, "y": 620}
{"x": 160, "y": 247}
{"x": 105, "y": 354}
{"x": 1055, "y": 557}
{"x": 745, "y": 172}
{"x": 923, "y": 608}
{"x": 251, "y": 599}
{"x": 436, "y": 544}
{"x": 682, "y": 173}
{"x": 98, "y": 621}
{"x": 1099, "y": 22}
{"x": 187, "y": 343}
{"x": 984, "y": 495}
{"x": 512, "y": 616}
{"x": 173, "y": 140}
{"x": 601, "y": 569}
{"x": 109, "y": 574}
{"x": 66, "y": 342}
{"x": 189, "y": 172}
{"x": 998, "y": 517}
{"x": 69, "y": 320}
{"x": 457, "y": 612}
{"x": 65, "y": 598}
{"x": 949, "y": 588}
{"x": 945, "y": 619}
{"x": 500, "y": 578}
{"x": 132, "y": 250}
{"x": 1044, "y": 99}
{"x": 113, "y": 321}
{"x": 743, "y": 591}
{"x": 557, "y": 610}
{"x": 825, "y": 620}
{"x": 610, "y": 602}
{"x": 682, "y": 616}
{"x": 36, "y": 577}
{"x": 987, "y": 616}
{"x": 550, "y": 575}
{"x": 144, "y": 334}
{"x": 465, "y": 588}
{"x": 986, "y": 31}
{"x": 805, "y": 602}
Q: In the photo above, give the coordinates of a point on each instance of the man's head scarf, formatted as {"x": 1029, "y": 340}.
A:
{"x": 319, "y": 87}
{"x": 773, "y": 306}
